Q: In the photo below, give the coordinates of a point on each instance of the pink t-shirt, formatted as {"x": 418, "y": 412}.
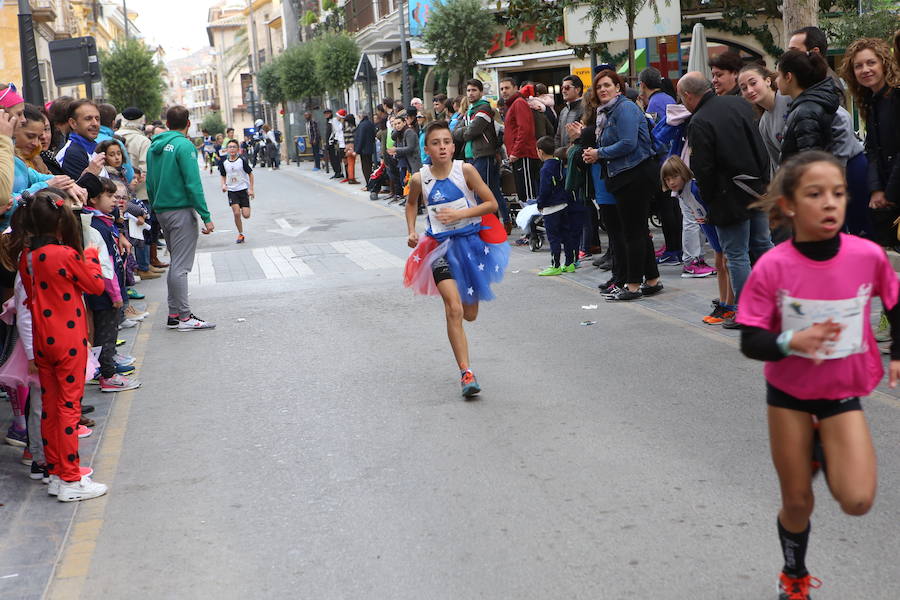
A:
{"x": 787, "y": 290}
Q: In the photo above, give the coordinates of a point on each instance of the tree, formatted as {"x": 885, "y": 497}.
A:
{"x": 842, "y": 31}
{"x": 269, "y": 81}
{"x": 237, "y": 54}
{"x": 797, "y": 14}
{"x": 297, "y": 71}
{"x": 628, "y": 10}
{"x": 337, "y": 56}
{"x": 132, "y": 78}
{"x": 213, "y": 123}
{"x": 459, "y": 34}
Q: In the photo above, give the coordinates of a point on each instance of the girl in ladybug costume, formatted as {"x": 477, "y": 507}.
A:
{"x": 55, "y": 273}
{"x": 464, "y": 249}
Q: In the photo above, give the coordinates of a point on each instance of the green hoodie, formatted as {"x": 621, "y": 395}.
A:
{"x": 173, "y": 175}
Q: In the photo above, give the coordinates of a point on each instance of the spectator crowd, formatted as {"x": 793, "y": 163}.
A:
{"x": 89, "y": 195}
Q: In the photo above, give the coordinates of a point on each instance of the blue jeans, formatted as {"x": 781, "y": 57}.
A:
{"x": 489, "y": 170}
{"x": 142, "y": 256}
{"x": 739, "y": 241}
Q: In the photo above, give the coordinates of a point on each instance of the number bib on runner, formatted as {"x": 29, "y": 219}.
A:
{"x": 798, "y": 313}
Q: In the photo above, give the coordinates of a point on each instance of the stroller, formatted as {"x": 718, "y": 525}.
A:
{"x": 377, "y": 179}
{"x": 531, "y": 222}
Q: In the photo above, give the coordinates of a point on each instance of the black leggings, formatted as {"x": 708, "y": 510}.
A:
{"x": 670, "y": 216}
{"x": 610, "y": 215}
{"x": 633, "y": 205}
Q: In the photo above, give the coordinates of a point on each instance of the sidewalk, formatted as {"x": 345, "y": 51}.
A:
{"x": 33, "y": 525}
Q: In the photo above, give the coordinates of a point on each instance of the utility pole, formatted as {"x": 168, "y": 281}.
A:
{"x": 125, "y": 12}
{"x": 31, "y": 74}
{"x": 254, "y": 55}
{"x": 407, "y": 96}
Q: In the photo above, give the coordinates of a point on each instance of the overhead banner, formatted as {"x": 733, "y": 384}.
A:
{"x": 418, "y": 16}
{"x": 577, "y": 24}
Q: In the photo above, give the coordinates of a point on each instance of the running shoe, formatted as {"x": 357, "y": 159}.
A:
{"x": 697, "y": 268}
{"x": 469, "y": 384}
{"x": 134, "y": 294}
{"x": 608, "y": 284}
{"x": 240, "y": 239}
{"x": 623, "y": 295}
{"x": 134, "y": 314}
{"x": 669, "y": 258}
{"x": 610, "y": 290}
{"x": 582, "y": 255}
{"x": 37, "y": 471}
{"x": 730, "y": 322}
{"x": 571, "y": 268}
{"x": 52, "y": 485}
{"x": 118, "y": 383}
{"x": 123, "y": 360}
{"x": 651, "y": 290}
{"x": 75, "y": 491}
{"x": 661, "y": 251}
{"x": 718, "y": 316}
{"x": 172, "y": 322}
{"x": 87, "y": 409}
{"x": 522, "y": 241}
{"x": 120, "y": 343}
{"x": 84, "y": 432}
{"x": 549, "y": 271}
{"x": 127, "y": 324}
{"x": 16, "y": 437}
{"x": 796, "y": 588}
{"x": 193, "y": 323}
{"x": 27, "y": 459}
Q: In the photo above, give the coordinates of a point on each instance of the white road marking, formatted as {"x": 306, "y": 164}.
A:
{"x": 281, "y": 262}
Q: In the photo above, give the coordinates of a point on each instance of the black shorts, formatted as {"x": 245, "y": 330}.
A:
{"x": 240, "y": 197}
{"x": 822, "y": 409}
{"x": 441, "y": 270}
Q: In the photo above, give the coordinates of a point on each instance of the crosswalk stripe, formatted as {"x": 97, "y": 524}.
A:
{"x": 283, "y": 262}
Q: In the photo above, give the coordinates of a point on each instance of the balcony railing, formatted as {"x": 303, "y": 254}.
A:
{"x": 43, "y": 11}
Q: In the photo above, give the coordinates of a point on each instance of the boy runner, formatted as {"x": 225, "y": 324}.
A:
{"x": 464, "y": 248}
{"x": 237, "y": 180}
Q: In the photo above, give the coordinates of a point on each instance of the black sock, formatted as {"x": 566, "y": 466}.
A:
{"x": 793, "y": 546}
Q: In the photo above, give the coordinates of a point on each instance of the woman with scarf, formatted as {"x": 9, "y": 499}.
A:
{"x": 624, "y": 152}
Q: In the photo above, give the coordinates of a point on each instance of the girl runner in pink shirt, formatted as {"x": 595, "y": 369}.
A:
{"x": 805, "y": 310}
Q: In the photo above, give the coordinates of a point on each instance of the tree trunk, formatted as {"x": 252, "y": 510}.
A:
{"x": 632, "y": 68}
{"x": 797, "y": 14}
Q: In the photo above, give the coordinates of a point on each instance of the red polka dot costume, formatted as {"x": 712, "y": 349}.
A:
{"x": 55, "y": 277}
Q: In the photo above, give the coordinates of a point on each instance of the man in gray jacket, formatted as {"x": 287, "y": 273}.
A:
{"x": 572, "y": 88}
{"x": 478, "y": 135}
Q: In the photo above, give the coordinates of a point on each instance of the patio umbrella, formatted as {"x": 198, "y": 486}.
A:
{"x": 698, "y": 58}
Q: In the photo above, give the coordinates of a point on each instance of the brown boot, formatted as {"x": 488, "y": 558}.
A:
{"x": 147, "y": 274}
{"x": 154, "y": 257}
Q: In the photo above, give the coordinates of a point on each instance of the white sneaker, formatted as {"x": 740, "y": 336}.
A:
{"x": 53, "y": 486}
{"x": 135, "y": 314}
{"x": 80, "y": 490}
{"x": 118, "y": 383}
{"x": 192, "y": 323}
{"x": 127, "y": 324}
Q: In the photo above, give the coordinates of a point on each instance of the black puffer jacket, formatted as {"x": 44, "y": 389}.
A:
{"x": 883, "y": 142}
{"x": 808, "y": 124}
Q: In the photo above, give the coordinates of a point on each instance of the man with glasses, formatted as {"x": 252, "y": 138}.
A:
{"x": 572, "y": 89}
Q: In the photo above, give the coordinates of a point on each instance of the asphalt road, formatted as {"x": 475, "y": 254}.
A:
{"x": 314, "y": 445}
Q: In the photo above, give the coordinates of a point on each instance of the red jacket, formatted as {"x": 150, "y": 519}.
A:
{"x": 518, "y": 131}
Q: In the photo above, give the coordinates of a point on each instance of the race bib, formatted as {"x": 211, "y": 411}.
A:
{"x": 438, "y": 227}
{"x": 798, "y": 313}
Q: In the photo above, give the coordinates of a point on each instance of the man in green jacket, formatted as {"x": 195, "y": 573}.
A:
{"x": 176, "y": 194}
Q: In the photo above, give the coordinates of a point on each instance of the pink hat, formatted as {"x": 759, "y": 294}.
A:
{"x": 9, "y": 97}
{"x": 342, "y": 113}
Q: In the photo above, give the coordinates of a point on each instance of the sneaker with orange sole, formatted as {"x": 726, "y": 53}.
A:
{"x": 718, "y": 315}
{"x": 796, "y": 588}
{"x": 469, "y": 384}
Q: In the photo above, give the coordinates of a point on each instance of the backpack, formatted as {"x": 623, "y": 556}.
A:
{"x": 541, "y": 124}
{"x": 277, "y": 136}
{"x": 658, "y": 150}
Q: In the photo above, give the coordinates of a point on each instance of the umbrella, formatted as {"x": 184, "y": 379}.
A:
{"x": 698, "y": 59}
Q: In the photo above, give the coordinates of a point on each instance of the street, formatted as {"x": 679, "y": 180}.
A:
{"x": 315, "y": 445}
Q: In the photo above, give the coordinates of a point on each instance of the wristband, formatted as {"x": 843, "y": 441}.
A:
{"x": 784, "y": 342}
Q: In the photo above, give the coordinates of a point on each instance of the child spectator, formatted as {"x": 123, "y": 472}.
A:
{"x": 106, "y": 304}
{"x": 553, "y": 201}
{"x": 54, "y": 272}
{"x": 678, "y": 179}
